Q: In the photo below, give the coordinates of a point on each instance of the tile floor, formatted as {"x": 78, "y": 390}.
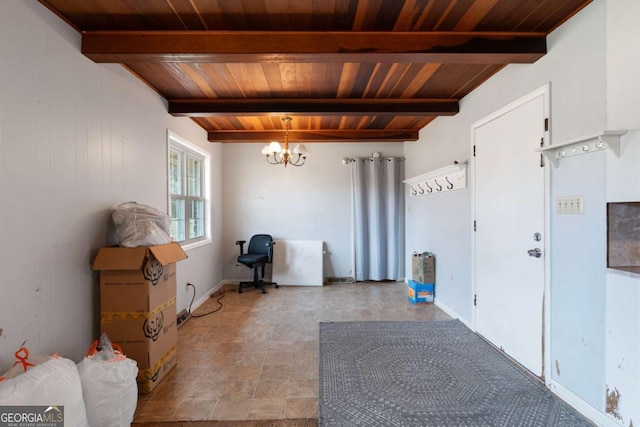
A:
{"x": 257, "y": 358}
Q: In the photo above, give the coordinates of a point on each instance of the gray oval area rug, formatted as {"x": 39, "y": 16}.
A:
{"x": 431, "y": 373}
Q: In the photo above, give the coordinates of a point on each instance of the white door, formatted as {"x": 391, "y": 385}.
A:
{"x": 509, "y": 215}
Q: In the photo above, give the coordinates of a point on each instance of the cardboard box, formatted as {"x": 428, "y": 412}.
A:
{"x": 137, "y": 279}
{"x": 138, "y": 306}
{"x": 420, "y": 292}
{"x": 423, "y": 267}
{"x": 148, "y": 338}
{"x": 149, "y": 378}
{"x": 144, "y": 337}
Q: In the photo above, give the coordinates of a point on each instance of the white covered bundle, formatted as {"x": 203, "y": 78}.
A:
{"x": 141, "y": 225}
{"x": 108, "y": 385}
{"x": 54, "y": 382}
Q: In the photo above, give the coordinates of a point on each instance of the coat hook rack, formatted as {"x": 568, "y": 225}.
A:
{"x": 448, "y": 178}
{"x": 605, "y": 140}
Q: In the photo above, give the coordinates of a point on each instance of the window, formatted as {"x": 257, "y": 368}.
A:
{"x": 188, "y": 197}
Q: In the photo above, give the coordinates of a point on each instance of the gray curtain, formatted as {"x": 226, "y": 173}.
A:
{"x": 378, "y": 196}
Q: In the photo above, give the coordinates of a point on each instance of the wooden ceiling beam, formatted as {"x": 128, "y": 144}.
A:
{"x": 320, "y": 135}
{"x": 313, "y": 46}
{"x": 316, "y": 107}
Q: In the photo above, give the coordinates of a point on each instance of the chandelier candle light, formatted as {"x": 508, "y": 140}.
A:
{"x": 277, "y": 155}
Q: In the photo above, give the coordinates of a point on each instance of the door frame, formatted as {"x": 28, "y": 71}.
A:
{"x": 545, "y": 92}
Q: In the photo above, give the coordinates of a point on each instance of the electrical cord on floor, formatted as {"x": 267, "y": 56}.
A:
{"x": 221, "y": 293}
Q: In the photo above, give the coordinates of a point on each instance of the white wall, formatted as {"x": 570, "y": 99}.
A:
{"x": 441, "y": 223}
{"x": 622, "y": 178}
{"x": 311, "y": 202}
{"x": 76, "y": 139}
{"x": 595, "y": 326}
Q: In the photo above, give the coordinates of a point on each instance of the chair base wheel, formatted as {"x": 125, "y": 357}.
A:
{"x": 260, "y": 284}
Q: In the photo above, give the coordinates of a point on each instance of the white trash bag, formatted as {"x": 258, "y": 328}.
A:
{"x": 141, "y": 225}
{"x": 24, "y": 362}
{"x": 108, "y": 385}
{"x": 53, "y": 383}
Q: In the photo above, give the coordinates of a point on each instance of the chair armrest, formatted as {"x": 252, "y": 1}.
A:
{"x": 241, "y": 243}
{"x": 270, "y": 254}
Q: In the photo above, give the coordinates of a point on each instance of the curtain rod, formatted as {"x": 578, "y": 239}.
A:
{"x": 347, "y": 160}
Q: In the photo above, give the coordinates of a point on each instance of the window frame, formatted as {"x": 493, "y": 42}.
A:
{"x": 187, "y": 150}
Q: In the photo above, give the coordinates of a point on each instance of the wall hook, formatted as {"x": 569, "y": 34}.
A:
{"x": 413, "y": 191}
{"x": 430, "y": 189}
{"x": 453, "y": 177}
{"x": 450, "y": 185}
{"x": 421, "y": 189}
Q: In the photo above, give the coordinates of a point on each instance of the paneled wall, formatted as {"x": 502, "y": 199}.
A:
{"x": 76, "y": 139}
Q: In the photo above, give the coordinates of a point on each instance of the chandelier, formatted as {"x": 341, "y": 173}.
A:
{"x": 277, "y": 155}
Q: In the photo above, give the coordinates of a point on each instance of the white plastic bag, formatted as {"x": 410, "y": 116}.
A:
{"x": 108, "y": 385}
{"x": 141, "y": 225}
{"x": 24, "y": 362}
{"x": 54, "y": 382}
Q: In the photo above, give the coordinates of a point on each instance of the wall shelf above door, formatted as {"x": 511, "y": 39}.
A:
{"x": 608, "y": 139}
{"x": 453, "y": 177}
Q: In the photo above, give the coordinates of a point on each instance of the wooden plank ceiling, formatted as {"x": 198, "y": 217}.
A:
{"x": 344, "y": 70}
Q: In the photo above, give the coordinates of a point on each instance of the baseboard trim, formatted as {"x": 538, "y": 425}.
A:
{"x": 442, "y": 306}
{"x": 594, "y": 415}
{"x": 588, "y": 411}
{"x": 336, "y": 280}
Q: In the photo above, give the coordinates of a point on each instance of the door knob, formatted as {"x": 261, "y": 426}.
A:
{"x": 536, "y": 252}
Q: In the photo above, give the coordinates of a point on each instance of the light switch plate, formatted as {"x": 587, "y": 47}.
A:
{"x": 570, "y": 205}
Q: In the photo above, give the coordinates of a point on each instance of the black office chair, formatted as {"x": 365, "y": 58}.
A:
{"x": 259, "y": 253}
